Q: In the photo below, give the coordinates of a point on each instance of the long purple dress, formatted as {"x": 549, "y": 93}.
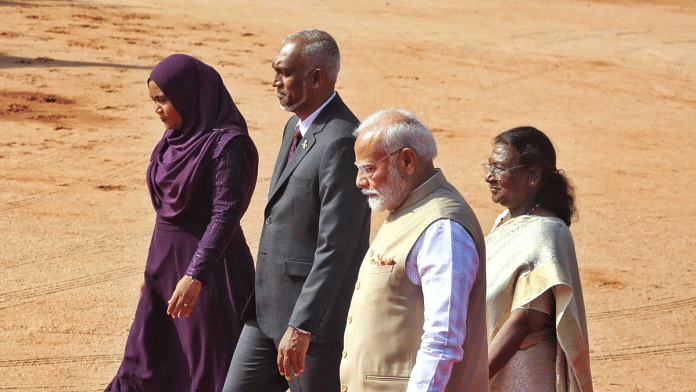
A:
{"x": 201, "y": 179}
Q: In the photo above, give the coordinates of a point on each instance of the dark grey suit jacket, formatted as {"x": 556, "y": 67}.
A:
{"x": 315, "y": 233}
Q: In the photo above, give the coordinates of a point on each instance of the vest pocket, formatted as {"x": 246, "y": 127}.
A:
{"x": 386, "y": 378}
{"x": 381, "y": 269}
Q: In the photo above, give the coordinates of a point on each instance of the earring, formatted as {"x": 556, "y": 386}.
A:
{"x": 531, "y": 183}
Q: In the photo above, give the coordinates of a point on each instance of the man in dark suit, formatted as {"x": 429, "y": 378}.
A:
{"x": 315, "y": 232}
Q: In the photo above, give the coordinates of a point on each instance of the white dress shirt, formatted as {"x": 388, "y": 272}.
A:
{"x": 444, "y": 263}
{"x": 304, "y": 125}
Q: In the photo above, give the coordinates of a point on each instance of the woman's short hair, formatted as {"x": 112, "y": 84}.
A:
{"x": 556, "y": 193}
{"x": 404, "y": 130}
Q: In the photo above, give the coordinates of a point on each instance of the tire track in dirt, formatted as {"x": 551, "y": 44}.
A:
{"x": 92, "y": 358}
{"x": 31, "y": 199}
{"x": 57, "y": 156}
{"x": 488, "y": 80}
{"x": 71, "y": 249}
{"x": 646, "y": 351}
{"x": 32, "y": 294}
{"x": 113, "y": 173}
{"x": 57, "y": 388}
{"x": 622, "y": 313}
{"x": 123, "y": 171}
{"x": 95, "y": 244}
{"x": 62, "y": 154}
{"x": 251, "y": 237}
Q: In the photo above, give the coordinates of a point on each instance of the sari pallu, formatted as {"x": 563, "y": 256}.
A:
{"x": 526, "y": 256}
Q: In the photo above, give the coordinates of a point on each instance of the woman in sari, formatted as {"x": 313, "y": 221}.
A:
{"x": 199, "y": 270}
{"x": 535, "y": 312}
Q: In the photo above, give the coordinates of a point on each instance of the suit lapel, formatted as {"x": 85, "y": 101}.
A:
{"x": 282, "y": 172}
{"x": 282, "y": 156}
{"x": 301, "y": 151}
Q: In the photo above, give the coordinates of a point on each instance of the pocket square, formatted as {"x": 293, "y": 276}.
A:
{"x": 379, "y": 260}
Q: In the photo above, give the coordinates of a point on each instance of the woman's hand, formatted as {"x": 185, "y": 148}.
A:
{"x": 184, "y": 298}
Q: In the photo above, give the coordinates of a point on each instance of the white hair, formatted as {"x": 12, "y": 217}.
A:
{"x": 403, "y": 129}
{"x": 320, "y": 51}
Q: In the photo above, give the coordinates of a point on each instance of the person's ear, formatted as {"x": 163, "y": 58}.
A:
{"x": 535, "y": 175}
{"x": 317, "y": 78}
{"x": 409, "y": 160}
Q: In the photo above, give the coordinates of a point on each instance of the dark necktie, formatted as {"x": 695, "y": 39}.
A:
{"x": 295, "y": 139}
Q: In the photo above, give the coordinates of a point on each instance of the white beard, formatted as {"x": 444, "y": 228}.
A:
{"x": 390, "y": 195}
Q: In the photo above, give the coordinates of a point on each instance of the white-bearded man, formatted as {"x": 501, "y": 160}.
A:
{"x": 417, "y": 317}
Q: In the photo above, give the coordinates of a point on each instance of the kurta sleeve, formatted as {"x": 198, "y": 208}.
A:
{"x": 233, "y": 179}
{"x": 444, "y": 262}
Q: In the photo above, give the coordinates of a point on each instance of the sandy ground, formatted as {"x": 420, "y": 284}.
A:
{"x": 612, "y": 83}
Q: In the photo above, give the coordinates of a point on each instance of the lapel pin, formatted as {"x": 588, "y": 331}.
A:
{"x": 304, "y": 144}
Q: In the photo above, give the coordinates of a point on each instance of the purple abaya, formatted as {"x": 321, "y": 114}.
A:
{"x": 201, "y": 179}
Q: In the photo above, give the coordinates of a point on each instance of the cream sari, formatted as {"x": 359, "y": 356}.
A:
{"x": 526, "y": 256}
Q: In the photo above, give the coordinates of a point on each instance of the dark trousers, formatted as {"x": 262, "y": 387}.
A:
{"x": 254, "y": 366}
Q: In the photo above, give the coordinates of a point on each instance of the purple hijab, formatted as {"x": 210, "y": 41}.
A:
{"x": 208, "y": 114}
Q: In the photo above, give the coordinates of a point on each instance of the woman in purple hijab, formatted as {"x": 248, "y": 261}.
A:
{"x": 199, "y": 270}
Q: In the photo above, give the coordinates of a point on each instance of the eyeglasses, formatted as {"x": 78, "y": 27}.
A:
{"x": 369, "y": 168}
{"x": 496, "y": 172}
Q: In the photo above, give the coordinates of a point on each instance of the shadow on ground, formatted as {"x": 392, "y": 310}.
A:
{"x": 46, "y": 62}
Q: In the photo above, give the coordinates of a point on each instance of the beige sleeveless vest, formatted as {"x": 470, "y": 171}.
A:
{"x": 385, "y": 320}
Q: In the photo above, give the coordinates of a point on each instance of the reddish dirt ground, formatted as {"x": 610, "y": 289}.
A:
{"x": 611, "y": 82}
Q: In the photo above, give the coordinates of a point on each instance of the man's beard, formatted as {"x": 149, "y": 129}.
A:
{"x": 302, "y": 100}
{"x": 390, "y": 195}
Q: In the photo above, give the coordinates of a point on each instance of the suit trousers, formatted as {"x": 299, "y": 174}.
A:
{"x": 254, "y": 366}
